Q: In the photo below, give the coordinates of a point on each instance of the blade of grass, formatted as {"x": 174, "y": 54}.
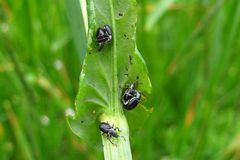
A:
{"x": 18, "y": 132}
{"x": 77, "y": 16}
{"x": 157, "y": 13}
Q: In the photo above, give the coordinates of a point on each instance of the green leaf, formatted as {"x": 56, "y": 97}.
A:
{"x": 104, "y": 73}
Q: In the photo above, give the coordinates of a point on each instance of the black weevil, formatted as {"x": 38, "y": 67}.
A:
{"x": 109, "y": 131}
{"x": 131, "y": 97}
{"x": 103, "y": 36}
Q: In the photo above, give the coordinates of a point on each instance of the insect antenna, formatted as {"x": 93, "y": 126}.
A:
{"x": 123, "y": 138}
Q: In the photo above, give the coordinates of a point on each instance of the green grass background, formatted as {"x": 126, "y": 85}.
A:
{"x": 191, "y": 48}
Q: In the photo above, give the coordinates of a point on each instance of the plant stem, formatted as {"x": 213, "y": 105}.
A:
{"x": 122, "y": 150}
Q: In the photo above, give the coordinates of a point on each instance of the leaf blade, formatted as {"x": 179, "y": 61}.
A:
{"x": 104, "y": 72}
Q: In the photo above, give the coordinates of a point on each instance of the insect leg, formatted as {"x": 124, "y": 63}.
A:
{"x": 102, "y": 39}
{"x": 101, "y": 45}
{"x": 109, "y": 38}
{"x": 109, "y": 138}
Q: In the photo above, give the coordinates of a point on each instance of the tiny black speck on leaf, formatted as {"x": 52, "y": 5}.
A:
{"x": 126, "y": 36}
{"x": 120, "y": 14}
{"x": 130, "y": 59}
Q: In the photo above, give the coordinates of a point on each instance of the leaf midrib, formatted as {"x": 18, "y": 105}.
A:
{"x": 114, "y": 92}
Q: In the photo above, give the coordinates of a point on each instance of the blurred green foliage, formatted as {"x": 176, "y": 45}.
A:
{"x": 192, "y": 52}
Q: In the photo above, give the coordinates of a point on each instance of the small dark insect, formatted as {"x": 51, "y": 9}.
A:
{"x": 109, "y": 131}
{"x": 103, "y": 36}
{"x": 130, "y": 59}
{"x": 125, "y": 36}
{"x": 131, "y": 97}
{"x": 120, "y": 14}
